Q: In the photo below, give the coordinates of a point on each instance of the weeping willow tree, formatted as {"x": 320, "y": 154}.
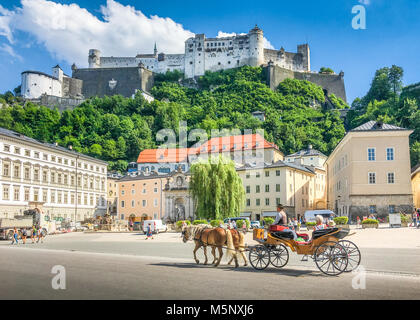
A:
{"x": 216, "y": 188}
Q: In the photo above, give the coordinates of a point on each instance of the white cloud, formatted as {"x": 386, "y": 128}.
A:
{"x": 222, "y": 34}
{"x": 9, "y": 50}
{"x": 69, "y": 31}
{"x": 365, "y": 2}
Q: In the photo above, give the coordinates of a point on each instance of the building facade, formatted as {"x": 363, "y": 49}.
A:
{"x": 179, "y": 204}
{"x": 112, "y": 194}
{"x": 309, "y": 157}
{"x": 415, "y": 184}
{"x": 296, "y": 187}
{"x": 58, "y": 181}
{"x": 141, "y": 197}
{"x": 369, "y": 172}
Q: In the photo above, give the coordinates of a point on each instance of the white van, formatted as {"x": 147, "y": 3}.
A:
{"x": 311, "y": 214}
{"x": 157, "y": 226}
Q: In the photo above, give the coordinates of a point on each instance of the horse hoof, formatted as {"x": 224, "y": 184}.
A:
{"x": 197, "y": 261}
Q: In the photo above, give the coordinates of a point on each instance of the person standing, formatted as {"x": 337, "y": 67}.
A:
{"x": 40, "y": 235}
{"x": 244, "y": 227}
{"x": 414, "y": 216}
{"x": 149, "y": 231}
{"x": 234, "y": 224}
{"x": 33, "y": 234}
{"x": 295, "y": 224}
{"x": 358, "y": 222}
{"x": 15, "y": 236}
{"x": 24, "y": 235}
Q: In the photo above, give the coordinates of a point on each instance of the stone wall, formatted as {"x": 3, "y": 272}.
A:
{"x": 112, "y": 81}
{"x": 332, "y": 83}
{"x": 72, "y": 88}
{"x": 360, "y": 204}
{"x": 60, "y": 103}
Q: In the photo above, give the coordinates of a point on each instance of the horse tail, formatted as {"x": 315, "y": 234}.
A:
{"x": 231, "y": 252}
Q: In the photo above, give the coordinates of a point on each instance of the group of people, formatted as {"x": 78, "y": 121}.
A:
{"x": 36, "y": 233}
{"x": 232, "y": 225}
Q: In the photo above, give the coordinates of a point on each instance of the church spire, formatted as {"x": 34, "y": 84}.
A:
{"x": 155, "y": 50}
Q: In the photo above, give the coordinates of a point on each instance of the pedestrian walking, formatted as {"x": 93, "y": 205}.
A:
{"x": 40, "y": 235}
{"x": 244, "y": 227}
{"x": 149, "y": 233}
{"x": 15, "y": 236}
{"x": 358, "y": 222}
{"x": 131, "y": 225}
{"x": 234, "y": 224}
{"x": 24, "y": 235}
{"x": 295, "y": 224}
{"x": 414, "y": 216}
{"x": 33, "y": 234}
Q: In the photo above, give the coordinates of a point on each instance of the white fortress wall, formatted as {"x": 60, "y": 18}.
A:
{"x": 35, "y": 84}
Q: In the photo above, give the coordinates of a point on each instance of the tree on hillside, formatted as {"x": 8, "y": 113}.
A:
{"x": 216, "y": 188}
{"x": 326, "y": 70}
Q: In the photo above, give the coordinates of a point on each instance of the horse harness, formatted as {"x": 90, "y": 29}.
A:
{"x": 199, "y": 239}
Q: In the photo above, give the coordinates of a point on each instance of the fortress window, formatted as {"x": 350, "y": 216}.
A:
{"x": 190, "y": 62}
{"x": 228, "y": 62}
{"x": 219, "y": 63}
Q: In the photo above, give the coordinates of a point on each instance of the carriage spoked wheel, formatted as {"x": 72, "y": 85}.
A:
{"x": 331, "y": 258}
{"x": 259, "y": 257}
{"x": 353, "y": 254}
{"x": 279, "y": 256}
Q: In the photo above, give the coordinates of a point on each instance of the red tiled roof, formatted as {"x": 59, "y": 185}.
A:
{"x": 236, "y": 143}
{"x": 165, "y": 155}
{"x": 214, "y": 145}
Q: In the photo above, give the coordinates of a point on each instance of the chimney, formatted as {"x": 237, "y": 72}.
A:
{"x": 56, "y": 144}
{"x": 71, "y": 147}
{"x": 310, "y": 147}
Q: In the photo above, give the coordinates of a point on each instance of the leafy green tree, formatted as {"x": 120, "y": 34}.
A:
{"x": 217, "y": 189}
{"x": 326, "y": 70}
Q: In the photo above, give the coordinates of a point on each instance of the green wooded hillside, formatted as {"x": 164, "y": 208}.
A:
{"x": 116, "y": 129}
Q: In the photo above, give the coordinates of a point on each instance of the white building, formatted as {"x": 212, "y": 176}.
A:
{"x": 41, "y": 175}
{"x": 307, "y": 157}
{"x": 211, "y": 54}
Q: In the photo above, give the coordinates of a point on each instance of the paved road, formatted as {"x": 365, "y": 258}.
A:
{"x": 138, "y": 269}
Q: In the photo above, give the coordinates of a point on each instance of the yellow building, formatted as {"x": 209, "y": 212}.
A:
{"x": 415, "y": 183}
{"x": 369, "y": 172}
{"x": 141, "y": 196}
{"x": 297, "y": 187}
{"x": 112, "y": 194}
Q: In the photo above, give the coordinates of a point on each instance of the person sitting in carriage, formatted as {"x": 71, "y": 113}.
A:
{"x": 319, "y": 223}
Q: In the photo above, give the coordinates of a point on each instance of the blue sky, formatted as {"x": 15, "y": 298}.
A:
{"x": 38, "y": 34}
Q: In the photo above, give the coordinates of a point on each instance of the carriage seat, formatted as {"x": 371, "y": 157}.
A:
{"x": 319, "y": 233}
{"x": 282, "y": 235}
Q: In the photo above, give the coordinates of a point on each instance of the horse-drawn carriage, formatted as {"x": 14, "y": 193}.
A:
{"x": 331, "y": 254}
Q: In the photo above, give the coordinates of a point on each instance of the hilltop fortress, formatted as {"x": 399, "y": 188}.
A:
{"x": 127, "y": 75}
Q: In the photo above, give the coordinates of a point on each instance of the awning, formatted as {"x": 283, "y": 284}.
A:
{"x": 269, "y": 213}
{"x": 245, "y": 214}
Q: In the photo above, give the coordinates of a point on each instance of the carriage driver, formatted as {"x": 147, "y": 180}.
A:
{"x": 281, "y": 217}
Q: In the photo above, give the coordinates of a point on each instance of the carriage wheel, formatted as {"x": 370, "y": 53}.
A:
{"x": 331, "y": 258}
{"x": 279, "y": 256}
{"x": 259, "y": 257}
{"x": 353, "y": 255}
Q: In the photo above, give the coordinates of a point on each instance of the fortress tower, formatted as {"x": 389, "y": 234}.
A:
{"x": 94, "y": 58}
{"x": 256, "y": 47}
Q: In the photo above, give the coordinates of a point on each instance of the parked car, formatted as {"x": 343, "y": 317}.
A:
{"x": 235, "y": 219}
{"x": 157, "y": 226}
{"x": 255, "y": 224}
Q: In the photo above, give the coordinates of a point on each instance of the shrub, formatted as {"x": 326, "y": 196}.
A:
{"x": 239, "y": 223}
{"x": 268, "y": 221}
{"x": 195, "y": 222}
{"x": 215, "y": 223}
{"x": 179, "y": 223}
{"x": 341, "y": 220}
{"x": 405, "y": 218}
{"x": 310, "y": 224}
{"x": 370, "y": 221}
